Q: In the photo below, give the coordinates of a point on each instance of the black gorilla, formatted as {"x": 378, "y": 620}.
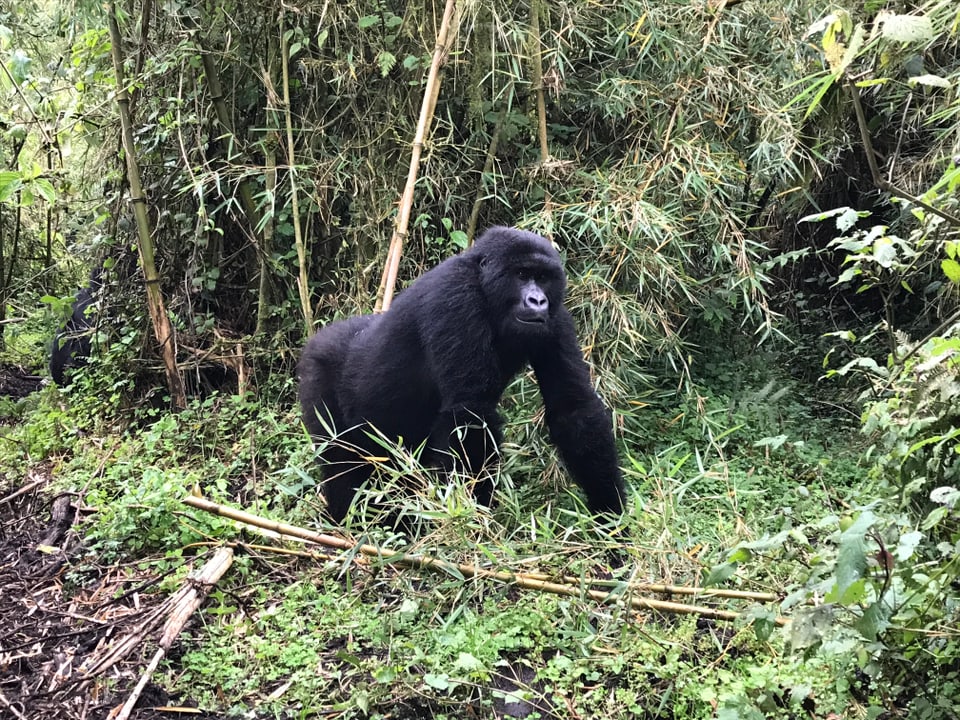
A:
{"x": 432, "y": 370}
{"x": 71, "y": 344}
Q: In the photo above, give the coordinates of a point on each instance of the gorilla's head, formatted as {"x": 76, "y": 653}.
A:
{"x": 523, "y": 282}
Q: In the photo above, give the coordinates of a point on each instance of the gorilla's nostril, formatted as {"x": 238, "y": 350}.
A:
{"x": 537, "y": 302}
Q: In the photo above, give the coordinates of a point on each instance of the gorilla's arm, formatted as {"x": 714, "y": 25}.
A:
{"x": 579, "y": 423}
{"x": 460, "y": 354}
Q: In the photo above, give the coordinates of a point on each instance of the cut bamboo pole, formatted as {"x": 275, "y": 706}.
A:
{"x": 529, "y": 582}
{"x": 430, "y": 94}
{"x": 182, "y": 606}
{"x": 662, "y": 589}
{"x": 99, "y": 662}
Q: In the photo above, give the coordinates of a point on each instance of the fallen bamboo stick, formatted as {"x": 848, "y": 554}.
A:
{"x": 529, "y": 582}
{"x": 24, "y": 490}
{"x": 662, "y": 589}
{"x": 658, "y": 588}
{"x": 273, "y": 549}
{"x": 184, "y": 604}
{"x": 9, "y": 706}
{"x": 104, "y": 658}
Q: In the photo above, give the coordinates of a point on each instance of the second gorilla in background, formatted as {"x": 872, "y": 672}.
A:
{"x": 433, "y": 367}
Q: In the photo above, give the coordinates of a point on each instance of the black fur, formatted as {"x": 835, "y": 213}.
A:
{"x": 439, "y": 360}
{"x": 71, "y": 344}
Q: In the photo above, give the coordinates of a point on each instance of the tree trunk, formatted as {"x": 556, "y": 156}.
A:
{"x": 162, "y": 328}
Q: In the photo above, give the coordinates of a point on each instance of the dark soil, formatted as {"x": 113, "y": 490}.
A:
{"x": 16, "y": 382}
{"x": 61, "y": 617}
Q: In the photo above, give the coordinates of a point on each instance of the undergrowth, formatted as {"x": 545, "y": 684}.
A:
{"x": 729, "y": 488}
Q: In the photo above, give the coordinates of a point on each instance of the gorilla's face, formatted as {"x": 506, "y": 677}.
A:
{"x": 524, "y": 285}
{"x": 533, "y": 306}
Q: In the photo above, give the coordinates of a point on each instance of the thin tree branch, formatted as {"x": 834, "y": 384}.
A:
{"x": 875, "y": 173}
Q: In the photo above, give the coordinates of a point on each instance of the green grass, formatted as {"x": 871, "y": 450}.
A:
{"x": 295, "y": 638}
{"x": 367, "y": 642}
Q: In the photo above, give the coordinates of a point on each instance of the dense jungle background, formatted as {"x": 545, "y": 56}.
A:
{"x": 758, "y": 207}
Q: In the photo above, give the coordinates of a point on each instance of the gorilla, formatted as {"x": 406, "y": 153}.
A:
{"x": 71, "y": 344}
{"x": 430, "y": 372}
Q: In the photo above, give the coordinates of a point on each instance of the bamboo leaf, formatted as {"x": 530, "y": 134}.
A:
{"x": 905, "y": 28}
{"x": 951, "y": 268}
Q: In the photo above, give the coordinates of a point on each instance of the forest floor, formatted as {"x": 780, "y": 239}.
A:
{"x": 74, "y": 653}
{"x": 46, "y": 634}
{"x": 95, "y": 541}
{"x": 50, "y": 637}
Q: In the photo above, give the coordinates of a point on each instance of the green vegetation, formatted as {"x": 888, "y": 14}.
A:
{"x": 758, "y": 205}
{"x": 311, "y": 637}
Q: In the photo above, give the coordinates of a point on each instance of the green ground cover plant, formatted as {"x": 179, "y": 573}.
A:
{"x": 758, "y": 208}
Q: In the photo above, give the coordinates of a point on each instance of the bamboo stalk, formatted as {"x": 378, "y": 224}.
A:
{"x": 99, "y": 662}
{"x": 529, "y": 582}
{"x": 244, "y": 185}
{"x": 226, "y": 123}
{"x": 302, "y": 280}
{"x": 536, "y": 79}
{"x": 431, "y": 93}
{"x": 162, "y": 328}
{"x": 270, "y": 144}
{"x": 487, "y": 170}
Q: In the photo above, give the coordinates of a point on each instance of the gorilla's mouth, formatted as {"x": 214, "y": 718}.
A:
{"x": 531, "y": 320}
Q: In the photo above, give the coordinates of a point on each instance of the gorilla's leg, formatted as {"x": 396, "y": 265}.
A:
{"x": 344, "y": 472}
{"x": 469, "y": 440}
